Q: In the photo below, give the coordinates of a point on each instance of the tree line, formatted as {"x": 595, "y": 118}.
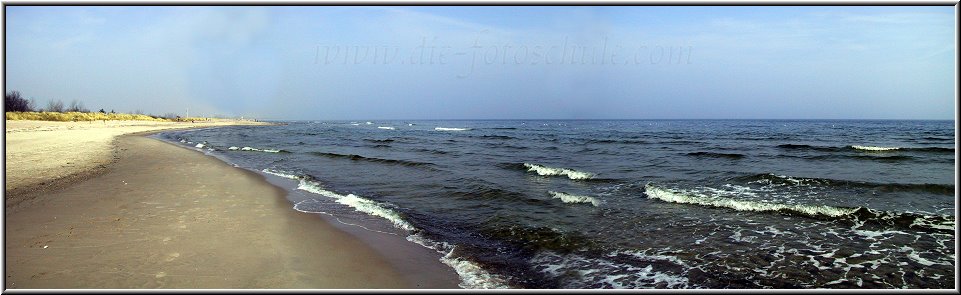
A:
{"x": 13, "y": 101}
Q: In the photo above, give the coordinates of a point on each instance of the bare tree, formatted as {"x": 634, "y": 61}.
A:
{"x": 14, "y": 102}
{"x": 54, "y": 106}
{"x": 77, "y": 106}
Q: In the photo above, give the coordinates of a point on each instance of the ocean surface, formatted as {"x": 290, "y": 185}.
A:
{"x": 630, "y": 204}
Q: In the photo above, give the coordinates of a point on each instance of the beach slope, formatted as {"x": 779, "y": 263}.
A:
{"x": 162, "y": 216}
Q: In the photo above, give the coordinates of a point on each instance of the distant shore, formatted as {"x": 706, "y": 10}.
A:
{"x": 96, "y": 205}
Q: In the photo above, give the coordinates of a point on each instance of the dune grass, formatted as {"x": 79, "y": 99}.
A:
{"x": 93, "y": 116}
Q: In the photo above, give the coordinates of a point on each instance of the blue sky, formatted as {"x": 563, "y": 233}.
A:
{"x": 490, "y": 62}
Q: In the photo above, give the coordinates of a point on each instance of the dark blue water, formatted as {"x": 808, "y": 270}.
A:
{"x": 632, "y": 204}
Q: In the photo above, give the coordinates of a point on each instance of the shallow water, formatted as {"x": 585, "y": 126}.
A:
{"x": 633, "y": 204}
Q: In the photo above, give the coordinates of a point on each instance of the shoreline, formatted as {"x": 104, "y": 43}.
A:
{"x": 231, "y": 228}
{"x": 419, "y": 265}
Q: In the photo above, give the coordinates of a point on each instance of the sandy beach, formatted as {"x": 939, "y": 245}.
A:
{"x": 44, "y": 155}
{"x": 154, "y": 215}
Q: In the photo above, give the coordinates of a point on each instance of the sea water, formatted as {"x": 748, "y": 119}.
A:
{"x": 631, "y": 204}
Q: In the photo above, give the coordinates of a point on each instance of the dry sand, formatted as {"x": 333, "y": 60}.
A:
{"x": 160, "y": 216}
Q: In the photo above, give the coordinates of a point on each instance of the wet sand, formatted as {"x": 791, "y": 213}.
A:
{"x": 161, "y": 216}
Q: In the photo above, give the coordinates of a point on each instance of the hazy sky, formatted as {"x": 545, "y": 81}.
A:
{"x": 490, "y": 62}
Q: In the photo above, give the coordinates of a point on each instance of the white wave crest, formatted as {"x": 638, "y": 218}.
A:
{"x": 281, "y": 174}
{"x": 250, "y": 149}
{"x": 450, "y": 129}
{"x": 874, "y": 148}
{"x": 385, "y": 127}
{"x": 373, "y": 208}
{"x": 199, "y": 146}
{"x": 472, "y": 276}
{"x": 550, "y": 171}
{"x": 233, "y": 148}
{"x": 358, "y": 203}
{"x": 654, "y": 192}
{"x": 568, "y": 198}
{"x": 608, "y": 273}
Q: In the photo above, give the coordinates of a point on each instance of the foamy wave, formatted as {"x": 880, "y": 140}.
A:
{"x": 472, "y": 276}
{"x": 385, "y": 127}
{"x": 568, "y": 198}
{"x": 450, "y": 129}
{"x": 638, "y": 271}
{"x": 358, "y": 203}
{"x": 376, "y": 209}
{"x": 199, "y": 146}
{"x": 233, "y": 148}
{"x": 859, "y": 215}
{"x": 250, "y": 149}
{"x": 281, "y": 174}
{"x": 550, "y": 171}
{"x": 654, "y": 192}
{"x": 874, "y": 148}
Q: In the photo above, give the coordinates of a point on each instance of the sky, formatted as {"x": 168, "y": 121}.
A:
{"x": 397, "y": 62}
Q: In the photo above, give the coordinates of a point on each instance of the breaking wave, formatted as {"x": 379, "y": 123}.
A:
{"x": 250, "y": 149}
{"x": 774, "y": 179}
{"x": 874, "y": 148}
{"x": 309, "y": 184}
{"x": 568, "y": 198}
{"x": 551, "y": 171}
{"x": 865, "y": 148}
{"x": 451, "y": 129}
{"x": 857, "y": 215}
{"x": 472, "y": 275}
